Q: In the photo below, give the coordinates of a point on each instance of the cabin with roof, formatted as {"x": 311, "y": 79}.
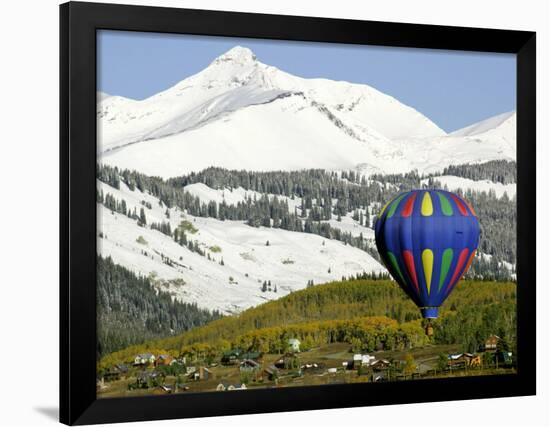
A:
{"x": 463, "y": 360}
{"x": 380, "y": 365}
{"x": 164, "y": 360}
{"x": 116, "y": 372}
{"x": 249, "y": 365}
{"x": 199, "y": 374}
{"x": 144, "y": 359}
{"x": 271, "y": 372}
{"x": 491, "y": 343}
{"x": 231, "y": 357}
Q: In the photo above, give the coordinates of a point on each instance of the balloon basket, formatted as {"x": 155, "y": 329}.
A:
{"x": 429, "y": 328}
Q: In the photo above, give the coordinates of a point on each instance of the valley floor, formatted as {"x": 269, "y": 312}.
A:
{"x": 323, "y": 361}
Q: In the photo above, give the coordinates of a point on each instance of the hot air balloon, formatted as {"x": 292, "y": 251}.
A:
{"x": 427, "y": 239}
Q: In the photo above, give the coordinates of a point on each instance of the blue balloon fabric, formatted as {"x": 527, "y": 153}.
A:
{"x": 427, "y": 240}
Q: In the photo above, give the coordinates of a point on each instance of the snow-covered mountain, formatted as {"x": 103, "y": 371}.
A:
{"x": 241, "y": 113}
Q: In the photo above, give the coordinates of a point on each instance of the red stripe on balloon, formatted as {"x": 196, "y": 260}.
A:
{"x": 470, "y": 261}
{"x": 407, "y": 210}
{"x": 461, "y": 260}
{"x": 460, "y": 205}
{"x": 471, "y": 208}
{"x": 409, "y": 263}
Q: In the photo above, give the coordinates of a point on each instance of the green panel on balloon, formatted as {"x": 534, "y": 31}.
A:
{"x": 446, "y": 260}
{"x": 445, "y": 205}
{"x": 394, "y": 205}
{"x": 395, "y": 266}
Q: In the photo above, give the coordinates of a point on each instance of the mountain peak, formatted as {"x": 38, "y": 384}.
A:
{"x": 238, "y": 54}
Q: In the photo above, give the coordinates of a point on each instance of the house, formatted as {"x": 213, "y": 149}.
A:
{"x": 332, "y": 370}
{"x": 491, "y": 343}
{"x": 111, "y": 375}
{"x": 362, "y": 360}
{"x": 463, "y": 359}
{"x": 180, "y": 361}
{"x": 294, "y": 345}
{"x": 231, "y": 357}
{"x": 272, "y": 372}
{"x": 199, "y": 374}
{"x": 116, "y": 372}
{"x": 249, "y": 365}
{"x": 164, "y": 360}
{"x": 367, "y": 359}
{"x": 144, "y": 359}
{"x": 380, "y": 365}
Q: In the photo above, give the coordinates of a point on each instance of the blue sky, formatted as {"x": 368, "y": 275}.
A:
{"x": 453, "y": 89}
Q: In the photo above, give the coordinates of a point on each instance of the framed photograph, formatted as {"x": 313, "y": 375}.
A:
{"x": 267, "y": 213}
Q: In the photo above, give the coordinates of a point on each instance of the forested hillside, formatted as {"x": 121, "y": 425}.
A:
{"x": 130, "y": 310}
{"x": 324, "y": 199}
{"x": 373, "y": 314}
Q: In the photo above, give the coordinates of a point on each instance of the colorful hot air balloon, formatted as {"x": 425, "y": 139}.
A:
{"x": 427, "y": 240}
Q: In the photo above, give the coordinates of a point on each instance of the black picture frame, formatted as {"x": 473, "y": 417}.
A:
{"x": 78, "y": 25}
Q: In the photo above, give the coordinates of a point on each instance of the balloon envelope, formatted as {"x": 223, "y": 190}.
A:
{"x": 427, "y": 239}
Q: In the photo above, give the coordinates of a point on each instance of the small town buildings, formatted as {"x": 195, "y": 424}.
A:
{"x": 294, "y": 345}
{"x": 360, "y": 360}
{"x": 116, "y": 372}
{"x": 231, "y": 357}
{"x": 271, "y": 372}
{"x": 249, "y": 365}
{"x": 463, "y": 359}
{"x": 380, "y": 365}
{"x": 164, "y": 360}
{"x": 199, "y": 374}
{"x": 144, "y": 359}
{"x": 491, "y": 343}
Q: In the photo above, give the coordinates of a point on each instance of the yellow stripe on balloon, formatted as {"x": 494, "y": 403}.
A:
{"x": 384, "y": 208}
{"x": 428, "y": 264}
{"x": 427, "y": 208}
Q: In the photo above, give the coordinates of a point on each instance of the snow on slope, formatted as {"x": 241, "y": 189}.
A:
{"x": 289, "y": 262}
{"x": 486, "y": 125}
{"x": 234, "y": 196}
{"x": 454, "y": 183}
{"x": 286, "y": 134}
{"x": 491, "y": 139}
{"x": 240, "y": 113}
